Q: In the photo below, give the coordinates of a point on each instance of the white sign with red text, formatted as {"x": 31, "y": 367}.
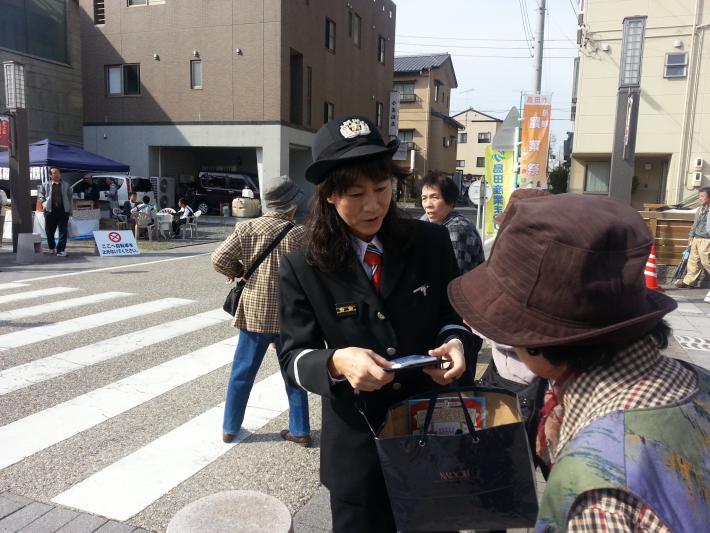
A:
{"x": 115, "y": 243}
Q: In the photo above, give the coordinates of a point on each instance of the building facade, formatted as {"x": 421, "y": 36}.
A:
{"x": 478, "y": 133}
{"x": 429, "y": 135}
{"x": 44, "y": 37}
{"x": 673, "y": 139}
{"x": 174, "y": 87}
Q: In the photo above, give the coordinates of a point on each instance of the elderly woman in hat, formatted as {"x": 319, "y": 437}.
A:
{"x": 256, "y": 314}
{"x": 624, "y": 428}
{"x": 368, "y": 287}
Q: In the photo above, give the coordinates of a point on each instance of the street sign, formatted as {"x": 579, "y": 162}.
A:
{"x": 116, "y": 243}
{"x": 474, "y": 192}
{"x": 4, "y": 131}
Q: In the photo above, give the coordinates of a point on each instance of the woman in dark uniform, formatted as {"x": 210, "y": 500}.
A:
{"x": 368, "y": 286}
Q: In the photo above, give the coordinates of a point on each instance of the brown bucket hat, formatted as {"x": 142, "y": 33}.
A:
{"x": 516, "y": 196}
{"x": 565, "y": 270}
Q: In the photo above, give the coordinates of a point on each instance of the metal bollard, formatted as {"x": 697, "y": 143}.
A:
{"x": 233, "y": 511}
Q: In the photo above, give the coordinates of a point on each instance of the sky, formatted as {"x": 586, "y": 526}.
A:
{"x": 471, "y": 29}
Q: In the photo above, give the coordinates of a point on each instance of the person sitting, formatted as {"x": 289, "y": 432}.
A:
{"x": 145, "y": 207}
{"x": 624, "y": 428}
{"x": 182, "y": 216}
{"x": 129, "y": 204}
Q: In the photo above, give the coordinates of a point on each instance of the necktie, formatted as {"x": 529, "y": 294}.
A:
{"x": 373, "y": 258}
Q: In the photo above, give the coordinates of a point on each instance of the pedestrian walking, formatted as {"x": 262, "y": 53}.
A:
{"x": 624, "y": 428}
{"x": 367, "y": 287}
{"x": 55, "y": 196}
{"x": 699, "y": 242}
{"x": 439, "y": 196}
{"x": 256, "y": 315}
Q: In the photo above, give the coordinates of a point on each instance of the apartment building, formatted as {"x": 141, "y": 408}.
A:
{"x": 673, "y": 139}
{"x": 174, "y": 87}
{"x": 478, "y": 132}
{"x": 428, "y": 134}
{"x": 44, "y": 38}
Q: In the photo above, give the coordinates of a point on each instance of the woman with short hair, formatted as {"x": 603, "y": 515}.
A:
{"x": 439, "y": 196}
{"x": 368, "y": 287}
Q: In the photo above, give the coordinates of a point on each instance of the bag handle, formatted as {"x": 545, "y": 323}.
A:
{"x": 266, "y": 252}
{"x": 430, "y": 413}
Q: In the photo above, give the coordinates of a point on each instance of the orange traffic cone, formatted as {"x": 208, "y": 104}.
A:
{"x": 650, "y": 272}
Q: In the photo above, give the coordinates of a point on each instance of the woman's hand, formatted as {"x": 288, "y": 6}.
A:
{"x": 363, "y": 369}
{"x": 452, "y": 352}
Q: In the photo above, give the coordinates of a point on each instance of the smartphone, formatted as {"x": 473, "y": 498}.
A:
{"x": 413, "y": 361}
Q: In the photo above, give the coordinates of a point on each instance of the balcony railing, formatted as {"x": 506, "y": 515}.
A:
{"x": 408, "y": 145}
{"x": 407, "y": 98}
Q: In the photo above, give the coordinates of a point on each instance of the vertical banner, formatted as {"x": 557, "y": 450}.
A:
{"x": 393, "y": 115}
{"x": 4, "y": 131}
{"x": 501, "y": 178}
{"x": 535, "y": 140}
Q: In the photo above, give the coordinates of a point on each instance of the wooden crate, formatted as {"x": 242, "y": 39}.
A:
{"x": 670, "y": 233}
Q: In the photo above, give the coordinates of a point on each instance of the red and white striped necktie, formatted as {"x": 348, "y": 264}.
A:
{"x": 373, "y": 258}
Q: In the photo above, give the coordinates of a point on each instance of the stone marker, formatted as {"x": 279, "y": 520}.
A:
{"x": 29, "y": 245}
{"x": 233, "y": 511}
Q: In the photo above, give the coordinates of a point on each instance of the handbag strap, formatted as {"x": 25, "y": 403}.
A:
{"x": 267, "y": 251}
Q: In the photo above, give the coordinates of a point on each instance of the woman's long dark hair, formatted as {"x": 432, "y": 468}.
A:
{"x": 328, "y": 245}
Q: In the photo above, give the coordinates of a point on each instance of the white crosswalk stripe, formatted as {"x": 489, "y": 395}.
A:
{"x": 61, "y": 305}
{"x": 9, "y": 286}
{"x": 46, "y": 332}
{"x": 20, "y": 376}
{"x": 32, "y": 295}
{"x": 22, "y": 438}
{"x": 129, "y": 485}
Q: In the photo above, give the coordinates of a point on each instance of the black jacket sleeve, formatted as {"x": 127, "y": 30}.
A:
{"x": 304, "y": 356}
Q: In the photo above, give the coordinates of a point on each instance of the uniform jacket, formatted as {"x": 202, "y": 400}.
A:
{"x": 257, "y": 309}
{"x": 322, "y": 311}
{"x": 45, "y": 196}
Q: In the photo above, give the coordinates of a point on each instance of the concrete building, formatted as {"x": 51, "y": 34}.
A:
{"x": 174, "y": 87}
{"x": 429, "y": 135}
{"x": 672, "y": 147}
{"x": 44, "y": 37}
{"x": 479, "y": 130}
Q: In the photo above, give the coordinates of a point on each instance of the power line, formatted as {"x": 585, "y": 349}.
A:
{"x": 504, "y": 39}
{"x": 488, "y": 47}
{"x": 526, "y": 29}
{"x": 573, "y": 8}
{"x": 487, "y": 56}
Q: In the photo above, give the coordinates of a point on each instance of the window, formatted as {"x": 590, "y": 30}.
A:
{"x": 596, "y": 177}
{"x": 309, "y": 95}
{"x": 381, "y": 48}
{"x": 632, "y": 51}
{"x": 35, "y": 27}
{"x": 676, "y": 65}
{"x": 437, "y": 91}
{"x": 484, "y": 137}
{"x": 123, "y": 80}
{"x": 144, "y": 2}
{"x": 355, "y": 28}
{"x": 379, "y": 113}
{"x": 196, "y": 74}
{"x": 330, "y": 35}
{"x": 406, "y": 138}
{"x": 99, "y": 12}
{"x": 406, "y": 91}
{"x": 481, "y": 162}
{"x": 460, "y": 163}
{"x": 463, "y": 138}
{"x": 328, "y": 111}
{"x": 447, "y": 142}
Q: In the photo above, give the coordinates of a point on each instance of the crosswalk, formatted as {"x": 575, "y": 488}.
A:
{"x": 134, "y": 481}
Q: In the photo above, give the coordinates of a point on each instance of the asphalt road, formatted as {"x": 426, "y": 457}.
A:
{"x": 117, "y": 413}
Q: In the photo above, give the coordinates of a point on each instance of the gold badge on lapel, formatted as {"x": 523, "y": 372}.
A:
{"x": 345, "y": 310}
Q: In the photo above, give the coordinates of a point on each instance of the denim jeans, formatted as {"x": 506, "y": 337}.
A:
{"x": 248, "y": 355}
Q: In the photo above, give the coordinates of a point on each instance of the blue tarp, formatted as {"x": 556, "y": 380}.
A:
{"x": 46, "y": 153}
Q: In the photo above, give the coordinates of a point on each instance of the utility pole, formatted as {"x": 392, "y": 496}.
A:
{"x": 539, "y": 46}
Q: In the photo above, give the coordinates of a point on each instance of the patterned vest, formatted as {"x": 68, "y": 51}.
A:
{"x": 660, "y": 455}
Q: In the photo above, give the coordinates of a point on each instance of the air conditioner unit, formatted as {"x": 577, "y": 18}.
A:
{"x": 697, "y": 179}
{"x": 699, "y": 163}
{"x": 164, "y": 192}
